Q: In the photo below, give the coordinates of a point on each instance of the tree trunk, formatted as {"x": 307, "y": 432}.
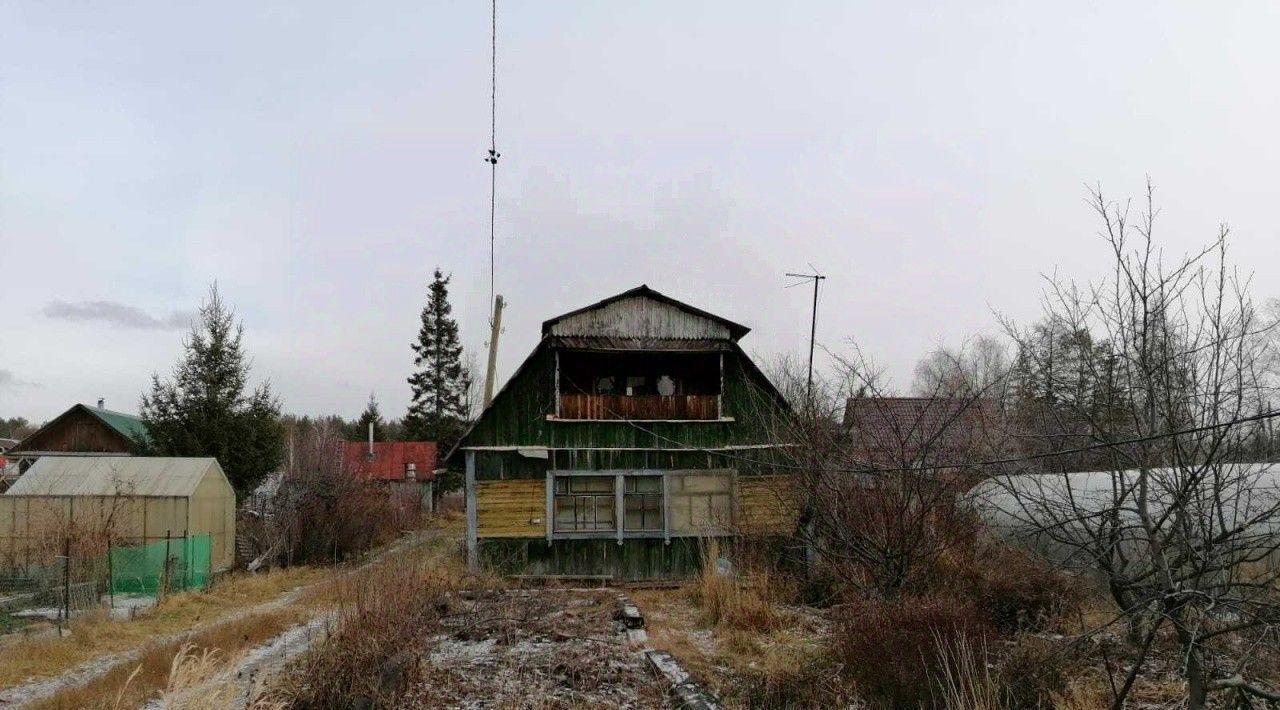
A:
{"x": 1197, "y": 685}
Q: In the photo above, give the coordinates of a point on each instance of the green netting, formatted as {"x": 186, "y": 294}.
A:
{"x": 174, "y": 564}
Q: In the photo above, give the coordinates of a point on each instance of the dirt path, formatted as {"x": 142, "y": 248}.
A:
{"x": 26, "y": 693}
{"x": 239, "y": 681}
{"x": 264, "y": 661}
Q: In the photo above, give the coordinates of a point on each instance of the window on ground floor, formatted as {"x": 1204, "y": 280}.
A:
{"x": 642, "y": 503}
{"x": 701, "y": 502}
{"x": 584, "y": 503}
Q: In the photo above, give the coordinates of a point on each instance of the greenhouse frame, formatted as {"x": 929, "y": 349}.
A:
{"x": 118, "y": 500}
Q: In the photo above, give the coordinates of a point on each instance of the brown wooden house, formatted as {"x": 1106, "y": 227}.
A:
{"x": 81, "y": 431}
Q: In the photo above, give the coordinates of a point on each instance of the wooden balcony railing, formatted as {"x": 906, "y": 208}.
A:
{"x": 649, "y": 406}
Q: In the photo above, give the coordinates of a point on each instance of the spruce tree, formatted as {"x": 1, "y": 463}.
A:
{"x": 440, "y": 382}
{"x": 359, "y": 429}
{"x": 207, "y": 408}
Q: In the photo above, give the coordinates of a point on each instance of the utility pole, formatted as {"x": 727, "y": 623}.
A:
{"x": 498, "y": 304}
{"x": 813, "y": 324}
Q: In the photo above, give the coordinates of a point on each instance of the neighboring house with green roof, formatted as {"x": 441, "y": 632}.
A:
{"x": 82, "y": 430}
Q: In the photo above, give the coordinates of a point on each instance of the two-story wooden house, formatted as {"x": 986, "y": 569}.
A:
{"x": 635, "y": 430}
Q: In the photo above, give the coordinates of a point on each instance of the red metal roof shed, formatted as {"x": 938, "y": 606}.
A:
{"x": 390, "y": 459}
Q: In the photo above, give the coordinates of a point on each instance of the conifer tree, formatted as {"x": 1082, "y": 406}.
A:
{"x": 207, "y": 409}
{"x": 440, "y": 381}
{"x": 359, "y": 430}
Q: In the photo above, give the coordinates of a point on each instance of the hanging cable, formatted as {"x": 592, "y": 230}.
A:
{"x": 870, "y": 468}
{"x": 493, "y": 156}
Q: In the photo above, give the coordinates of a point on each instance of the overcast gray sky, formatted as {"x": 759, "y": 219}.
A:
{"x": 318, "y": 159}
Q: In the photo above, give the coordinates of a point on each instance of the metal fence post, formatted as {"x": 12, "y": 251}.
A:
{"x": 164, "y": 569}
{"x": 66, "y": 577}
{"x": 111, "y": 577}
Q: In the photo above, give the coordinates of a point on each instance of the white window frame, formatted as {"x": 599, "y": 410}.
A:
{"x": 619, "y": 532}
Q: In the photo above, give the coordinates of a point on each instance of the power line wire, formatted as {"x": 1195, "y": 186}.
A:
{"x": 972, "y": 464}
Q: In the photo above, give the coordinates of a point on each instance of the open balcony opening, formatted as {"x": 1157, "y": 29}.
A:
{"x": 642, "y": 385}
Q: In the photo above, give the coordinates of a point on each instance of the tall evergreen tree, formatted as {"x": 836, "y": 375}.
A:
{"x": 206, "y": 409}
{"x": 359, "y": 429}
{"x": 440, "y": 382}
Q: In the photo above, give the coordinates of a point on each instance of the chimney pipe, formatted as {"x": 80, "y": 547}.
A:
{"x": 370, "y": 439}
{"x": 102, "y": 403}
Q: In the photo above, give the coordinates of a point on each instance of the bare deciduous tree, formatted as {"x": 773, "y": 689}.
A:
{"x": 979, "y": 366}
{"x": 878, "y": 475}
{"x": 1181, "y": 527}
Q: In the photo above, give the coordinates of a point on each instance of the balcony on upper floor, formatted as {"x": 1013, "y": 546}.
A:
{"x": 667, "y": 386}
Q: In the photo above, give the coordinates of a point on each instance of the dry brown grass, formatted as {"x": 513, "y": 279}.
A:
{"x": 184, "y": 661}
{"x": 1084, "y": 693}
{"x": 965, "y": 680}
{"x": 382, "y": 614}
{"x": 453, "y": 520}
{"x": 746, "y": 667}
{"x": 94, "y": 635}
{"x": 193, "y": 683}
{"x": 733, "y": 603}
{"x": 748, "y": 599}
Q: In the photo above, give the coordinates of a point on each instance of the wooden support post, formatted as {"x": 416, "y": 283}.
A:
{"x": 618, "y": 513}
{"x": 666, "y": 507}
{"x": 473, "y": 542}
{"x": 550, "y": 518}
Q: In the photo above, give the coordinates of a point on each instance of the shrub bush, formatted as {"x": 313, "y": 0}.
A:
{"x": 1014, "y": 591}
{"x": 323, "y": 513}
{"x": 892, "y": 649}
{"x": 1034, "y": 671}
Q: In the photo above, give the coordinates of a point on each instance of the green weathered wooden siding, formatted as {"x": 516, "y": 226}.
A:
{"x": 518, "y": 416}
{"x": 492, "y": 465}
{"x": 634, "y": 559}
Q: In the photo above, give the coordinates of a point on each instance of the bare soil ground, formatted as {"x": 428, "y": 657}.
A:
{"x": 535, "y": 648}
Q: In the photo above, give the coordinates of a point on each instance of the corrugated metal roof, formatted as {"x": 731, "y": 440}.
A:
{"x": 642, "y": 312}
{"x": 148, "y": 477}
{"x": 389, "y": 460}
{"x": 130, "y": 425}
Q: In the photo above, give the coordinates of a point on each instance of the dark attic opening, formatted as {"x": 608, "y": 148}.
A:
{"x": 639, "y": 385}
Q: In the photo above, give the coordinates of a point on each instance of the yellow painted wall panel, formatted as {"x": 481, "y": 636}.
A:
{"x": 511, "y": 508}
{"x": 767, "y": 505}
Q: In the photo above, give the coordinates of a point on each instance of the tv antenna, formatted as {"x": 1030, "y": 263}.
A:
{"x": 816, "y": 278}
